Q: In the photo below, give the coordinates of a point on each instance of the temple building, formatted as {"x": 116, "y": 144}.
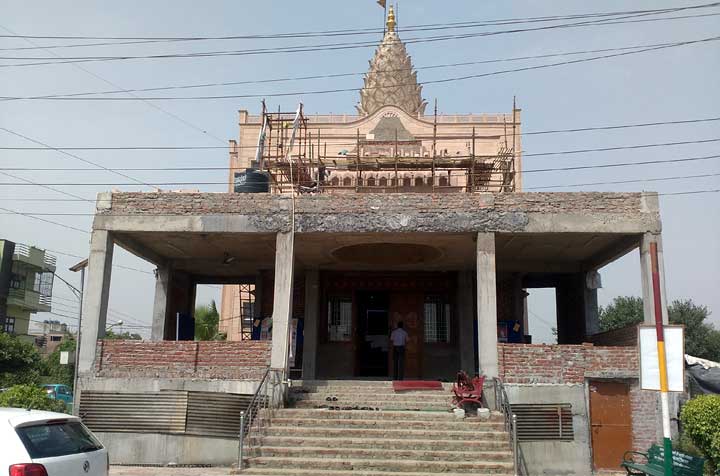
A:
{"x": 335, "y": 229}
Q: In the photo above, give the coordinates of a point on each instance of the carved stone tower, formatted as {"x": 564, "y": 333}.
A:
{"x": 391, "y": 79}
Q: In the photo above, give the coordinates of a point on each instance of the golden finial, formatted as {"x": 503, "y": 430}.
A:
{"x": 391, "y": 19}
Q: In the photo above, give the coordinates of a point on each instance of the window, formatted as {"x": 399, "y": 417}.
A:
{"x": 383, "y": 182}
{"x": 418, "y": 181}
{"x": 55, "y": 338}
{"x": 339, "y": 319}
{"x": 57, "y": 439}
{"x": 437, "y": 320}
{"x": 347, "y": 181}
{"x": 371, "y": 182}
{"x": 443, "y": 181}
{"x": 335, "y": 181}
{"x": 10, "y": 325}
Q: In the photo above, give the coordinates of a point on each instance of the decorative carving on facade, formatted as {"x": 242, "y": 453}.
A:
{"x": 391, "y": 79}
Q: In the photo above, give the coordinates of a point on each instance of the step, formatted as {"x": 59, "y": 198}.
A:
{"x": 383, "y": 453}
{"x": 320, "y": 413}
{"x": 380, "y": 404}
{"x": 393, "y": 433}
{"x": 389, "y": 424}
{"x": 414, "y": 397}
{"x": 430, "y": 442}
{"x": 381, "y": 465}
{"x": 313, "y": 472}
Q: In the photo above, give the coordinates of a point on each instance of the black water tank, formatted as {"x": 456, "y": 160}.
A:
{"x": 251, "y": 181}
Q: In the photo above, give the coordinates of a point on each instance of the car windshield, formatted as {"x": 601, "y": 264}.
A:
{"x": 57, "y": 439}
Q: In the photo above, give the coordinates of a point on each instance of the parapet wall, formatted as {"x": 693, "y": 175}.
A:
{"x": 565, "y": 364}
{"x": 603, "y": 212}
{"x": 231, "y": 360}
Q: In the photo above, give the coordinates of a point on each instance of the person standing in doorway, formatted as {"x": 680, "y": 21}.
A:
{"x": 399, "y": 339}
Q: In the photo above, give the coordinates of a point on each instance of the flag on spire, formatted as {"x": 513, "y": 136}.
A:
{"x": 381, "y": 3}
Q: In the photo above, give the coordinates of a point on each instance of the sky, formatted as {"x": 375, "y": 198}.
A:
{"x": 672, "y": 84}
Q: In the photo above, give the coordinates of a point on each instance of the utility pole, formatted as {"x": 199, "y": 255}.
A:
{"x": 78, "y": 267}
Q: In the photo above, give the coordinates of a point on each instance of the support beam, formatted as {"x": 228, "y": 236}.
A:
{"x": 466, "y": 316}
{"x": 160, "y": 306}
{"x": 312, "y": 318}
{"x": 646, "y": 278}
{"x": 95, "y": 301}
{"x": 282, "y": 301}
{"x": 487, "y": 305}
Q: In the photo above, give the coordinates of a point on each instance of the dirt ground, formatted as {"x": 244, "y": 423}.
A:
{"x": 155, "y": 471}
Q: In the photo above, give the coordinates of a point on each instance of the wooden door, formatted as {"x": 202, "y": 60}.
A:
{"x": 610, "y": 423}
{"x": 407, "y": 307}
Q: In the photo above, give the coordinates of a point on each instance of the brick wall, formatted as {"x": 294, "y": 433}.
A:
{"x": 565, "y": 364}
{"x": 625, "y": 337}
{"x": 232, "y": 360}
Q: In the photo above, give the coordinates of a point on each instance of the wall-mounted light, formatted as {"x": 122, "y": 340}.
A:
{"x": 227, "y": 258}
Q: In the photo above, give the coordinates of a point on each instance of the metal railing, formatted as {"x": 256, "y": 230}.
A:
{"x": 258, "y": 415}
{"x": 502, "y": 403}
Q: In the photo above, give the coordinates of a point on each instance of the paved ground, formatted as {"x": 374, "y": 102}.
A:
{"x": 154, "y": 471}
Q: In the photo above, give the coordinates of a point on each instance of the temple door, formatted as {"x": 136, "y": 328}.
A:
{"x": 407, "y": 307}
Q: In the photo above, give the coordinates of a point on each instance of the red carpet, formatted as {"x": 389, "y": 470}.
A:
{"x": 403, "y": 385}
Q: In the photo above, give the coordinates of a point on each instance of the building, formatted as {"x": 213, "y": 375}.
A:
{"x": 26, "y": 280}
{"x": 48, "y": 334}
{"x": 389, "y": 215}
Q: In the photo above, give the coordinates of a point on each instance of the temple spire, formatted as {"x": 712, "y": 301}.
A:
{"x": 391, "y": 81}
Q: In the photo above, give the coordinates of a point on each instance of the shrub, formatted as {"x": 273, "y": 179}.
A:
{"x": 19, "y": 362}
{"x": 701, "y": 421}
{"x": 30, "y": 397}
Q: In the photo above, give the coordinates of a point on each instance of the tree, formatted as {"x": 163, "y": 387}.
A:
{"x": 207, "y": 320}
{"x": 701, "y": 338}
{"x": 624, "y": 311}
{"x": 20, "y": 362}
{"x": 53, "y": 371}
{"x": 30, "y": 397}
{"x": 701, "y": 421}
{"x": 109, "y": 334}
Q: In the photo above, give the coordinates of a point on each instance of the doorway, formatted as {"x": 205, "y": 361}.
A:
{"x": 610, "y": 423}
{"x": 373, "y": 334}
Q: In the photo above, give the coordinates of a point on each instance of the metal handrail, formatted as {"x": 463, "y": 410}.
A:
{"x": 502, "y": 403}
{"x": 259, "y": 412}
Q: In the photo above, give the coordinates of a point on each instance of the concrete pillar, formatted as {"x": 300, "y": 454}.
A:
{"x": 592, "y": 314}
{"x": 487, "y": 305}
{"x": 282, "y": 301}
{"x": 95, "y": 299}
{"x": 160, "y": 306}
{"x": 646, "y": 278}
{"x": 312, "y": 321}
{"x": 466, "y": 316}
{"x": 257, "y": 303}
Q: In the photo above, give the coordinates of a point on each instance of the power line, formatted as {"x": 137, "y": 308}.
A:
{"x": 90, "y": 162}
{"x": 177, "y": 148}
{"x": 616, "y": 182}
{"x": 354, "y": 31}
{"x": 622, "y": 164}
{"x": 77, "y": 197}
{"x": 107, "y": 81}
{"x": 343, "y": 90}
{"x": 13, "y": 212}
{"x": 334, "y": 75}
{"x": 327, "y": 47}
{"x": 128, "y": 268}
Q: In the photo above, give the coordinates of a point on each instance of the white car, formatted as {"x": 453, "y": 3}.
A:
{"x": 38, "y": 443}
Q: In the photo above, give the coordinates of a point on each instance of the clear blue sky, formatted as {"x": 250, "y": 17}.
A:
{"x": 671, "y": 84}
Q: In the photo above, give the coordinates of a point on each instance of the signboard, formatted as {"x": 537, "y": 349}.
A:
{"x": 67, "y": 357}
{"x": 674, "y": 353}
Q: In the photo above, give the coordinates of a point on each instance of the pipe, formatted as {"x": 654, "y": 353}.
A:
{"x": 515, "y": 444}
{"x": 241, "y": 442}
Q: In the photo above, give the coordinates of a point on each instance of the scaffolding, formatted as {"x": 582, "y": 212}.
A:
{"x": 402, "y": 165}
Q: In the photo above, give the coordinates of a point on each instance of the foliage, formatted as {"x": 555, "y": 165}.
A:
{"x": 207, "y": 320}
{"x": 30, "y": 397}
{"x": 109, "y": 334}
{"x": 701, "y": 339}
{"x": 53, "y": 371}
{"x": 20, "y": 362}
{"x": 624, "y": 311}
{"x": 701, "y": 422}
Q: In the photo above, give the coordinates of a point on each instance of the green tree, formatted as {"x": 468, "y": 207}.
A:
{"x": 109, "y": 334}
{"x": 701, "y": 338}
{"x": 701, "y": 421}
{"x": 30, "y": 397}
{"x": 53, "y": 371}
{"x": 207, "y": 320}
{"x": 20, "y": 362}
{"x": 624, "y": 311}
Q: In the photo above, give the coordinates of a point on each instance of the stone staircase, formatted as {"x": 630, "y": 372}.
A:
{"x": 366, "y": 429}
